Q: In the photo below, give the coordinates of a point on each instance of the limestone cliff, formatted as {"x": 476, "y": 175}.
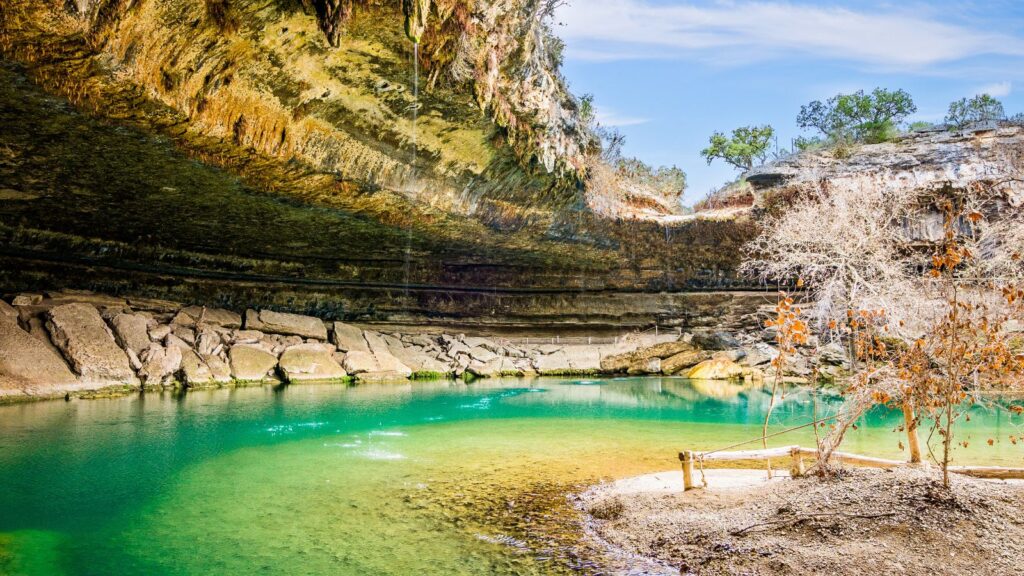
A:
{"x": 992, "y": 156}
{"x": 233, "y": 151}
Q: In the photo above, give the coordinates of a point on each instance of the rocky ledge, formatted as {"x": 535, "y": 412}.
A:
{"x": 77, "y": 343}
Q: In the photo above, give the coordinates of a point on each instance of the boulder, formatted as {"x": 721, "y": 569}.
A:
{"x": 360, "y": 362}
{"x": 159, "y": 364}
{"x": 27, "y": 366}
{"x": 833, "y": 355}
{"x": 310, "y": 362}
{"x": 133, "y": 360}
{"x": 665, "y": 349}
{"x": 733, "y": 355}
{"x": 37, "y": 328}
{"x": 716, "y": 369}
{"x": 475, "y": 342}
{"x": 418, "y": 361}
{"x": 220, "y": 371}
{"x": 194, "y": 371}
{"x": 8, "y": 311}
{"x": 481, "y": 354}
{"x": 27, "y": 299}
{"x": 759, "y": 354}
{"x": 348, "y": 338}
{"x": 283, "y": 323}
{"x": 554, "y": 364}
{"x": 208, "y": 342}
{"x": 455, "y": 348}
{"x": 192, "y": 315}
{"x": 583, "y": 358}
{"x": 683, "y": 361}
{"x": 421, "y": 340}
{"x": 249, "y": 362}
{"x": 642, "y": 366}
{"x": 159, "y": 332}
{"x": 715, "y": 341}
{"x": 246, "y": 336}
{"x": 636, "y": 358}
{"x": 796, "y": 365}
{"x": 132, "y": 332}
{"x": 486, "y": 369}
{"x": 84, "y": 339}
{"x": 185, "y": 333}
{"x": 172, "y": 340}
{"x": 386, "y": 361}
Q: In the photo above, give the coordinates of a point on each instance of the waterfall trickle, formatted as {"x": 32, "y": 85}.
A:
{"x": 414, "y": 176}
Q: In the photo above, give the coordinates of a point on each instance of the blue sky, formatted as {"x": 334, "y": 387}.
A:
{"x": 667, "y": 73}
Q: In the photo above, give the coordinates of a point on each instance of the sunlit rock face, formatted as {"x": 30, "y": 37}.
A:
{"x": 987, "y": 160}
{"x": 261, "y": 154}
{"x": 992, "y": 156}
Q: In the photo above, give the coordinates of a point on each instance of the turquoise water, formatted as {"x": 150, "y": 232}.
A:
{"x": 420, "y": 478}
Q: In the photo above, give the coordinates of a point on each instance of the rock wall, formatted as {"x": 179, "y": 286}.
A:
{"x": 75, "y": 343}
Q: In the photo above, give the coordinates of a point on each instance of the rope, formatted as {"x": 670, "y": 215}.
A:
{"x": 700, "y": 459}
{"x": 772, "y": 435}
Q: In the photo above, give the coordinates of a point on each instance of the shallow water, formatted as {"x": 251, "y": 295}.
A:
{"x": 420, "y": 478}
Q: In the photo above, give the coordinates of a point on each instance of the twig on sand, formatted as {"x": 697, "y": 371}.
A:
{"x": 805, "y": 517}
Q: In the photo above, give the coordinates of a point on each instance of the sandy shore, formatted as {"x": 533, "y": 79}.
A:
{"x": 862, "y": 521}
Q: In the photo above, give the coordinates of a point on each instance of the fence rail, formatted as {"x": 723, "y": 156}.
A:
{"x": 689, "y": 458}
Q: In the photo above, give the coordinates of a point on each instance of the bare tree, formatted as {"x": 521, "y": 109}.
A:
{"x": 924, "y": 318}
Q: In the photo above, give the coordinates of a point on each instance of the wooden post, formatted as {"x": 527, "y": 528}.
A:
{"x": 912, "y": 440}
{"x": 687, "y": 458}
{"x": 798, "y": 462}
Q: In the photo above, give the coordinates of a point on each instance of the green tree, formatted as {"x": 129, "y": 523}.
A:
{"x": 967, "y": 111}
{"x": 858, "y": 117}
{"x": 747, "y": 145}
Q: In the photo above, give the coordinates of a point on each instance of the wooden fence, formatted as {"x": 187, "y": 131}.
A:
{"x": 689, "y": 458}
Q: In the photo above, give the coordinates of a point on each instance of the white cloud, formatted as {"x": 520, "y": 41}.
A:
{"x": 997, "y": 90}
{"x": 610, "y": 118}
{"x": 749, "y": 31}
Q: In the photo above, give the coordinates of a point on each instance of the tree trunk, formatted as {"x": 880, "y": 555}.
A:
{"x": 913, "y": 442}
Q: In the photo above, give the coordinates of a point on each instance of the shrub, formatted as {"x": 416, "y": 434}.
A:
{"x": 967, "y": 111}
{"x": 858, "y": 117}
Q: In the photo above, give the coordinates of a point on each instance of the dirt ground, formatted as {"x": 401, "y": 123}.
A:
{"x": 863, "y": 521}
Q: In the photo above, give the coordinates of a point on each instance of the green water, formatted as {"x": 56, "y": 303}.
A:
{"x": 422, "y": 478}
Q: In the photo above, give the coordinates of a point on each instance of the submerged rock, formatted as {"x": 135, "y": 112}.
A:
{"x": 716, "y": 369}
{"x": 83, "y": 337}
{"x": 310, "y": 362}
{"x": 283, "y": 323}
